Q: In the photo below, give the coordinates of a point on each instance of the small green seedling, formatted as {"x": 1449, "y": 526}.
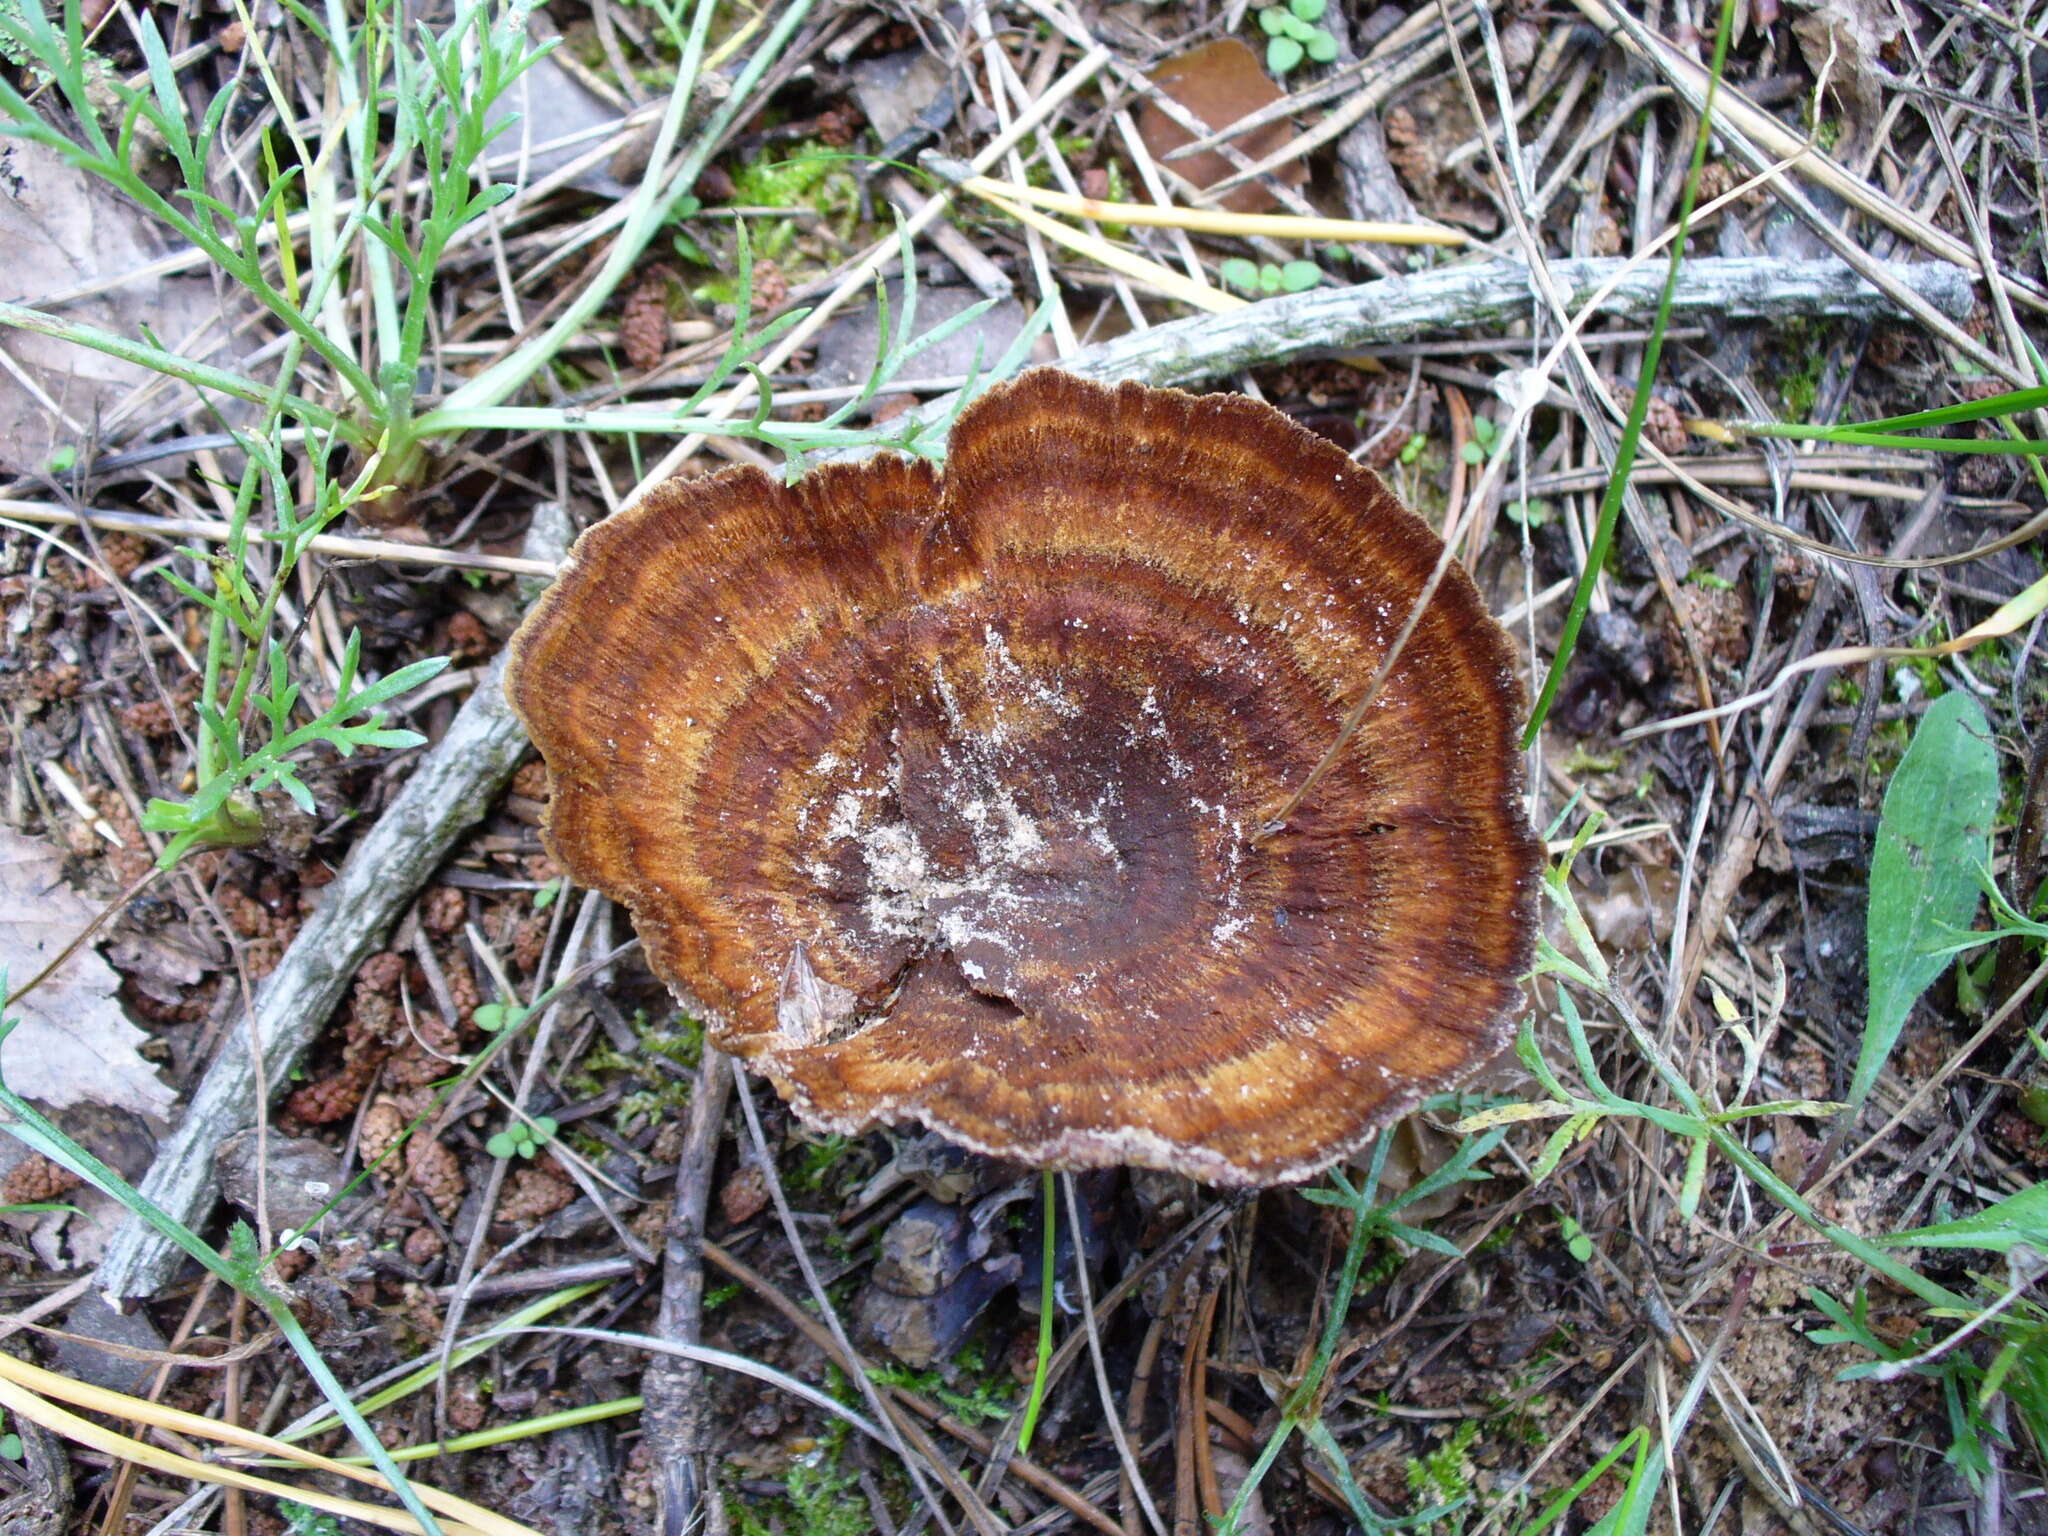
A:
{"x": 492, "y": 1017}
{"x": 545, "y": 896}
{"x": 1251, "y": 277}
{"x": 1412, "y": 449}
{"x": 1291, "y": 35}
{"x": 1484, "y": 442}
{"x": 523, "y": 1138}
{"x": 1576, "y": 1243}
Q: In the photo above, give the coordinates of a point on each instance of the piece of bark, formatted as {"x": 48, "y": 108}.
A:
{"x": 449, "y": 791}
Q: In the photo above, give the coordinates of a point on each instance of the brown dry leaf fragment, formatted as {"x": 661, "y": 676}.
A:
{"x": 744, "y": 1195}
{"x": 1842, "y": 41}
{"x": 1665, "y": 425}
{"x": 73, "y": 1044}
{"x": 1719, "y": 619}
{"x": 1218, "y": 83}
{"x": 943, "y": 799}
{"x": 63, "y": 228}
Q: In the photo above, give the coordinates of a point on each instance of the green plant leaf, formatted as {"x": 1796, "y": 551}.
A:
{"x": 501, "y": 1145}
{"x": 1308, "y": 10}
{"x": 1269, "y": 278}
{"x": 1321, "y": 47}
{"x": 1299, "y": 276}
{"x": 1282, "y": 54}
{"x": 1240, "y": 273}
{"x": 1270, "y": 20}
{"x": 2021, "y": 1218}
{"x": 492, "y": 1017}
{"x": 1295, "y": 28}
{"x": 1933, "y": 836}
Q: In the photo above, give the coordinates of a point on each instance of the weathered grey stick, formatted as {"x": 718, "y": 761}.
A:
{"x": 448, "y": 793}
{"x": 1491, "y": 295}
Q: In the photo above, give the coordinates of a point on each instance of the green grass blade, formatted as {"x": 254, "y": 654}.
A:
{"x": 2010, "y": 403}
{"x": 1639, "y": 407}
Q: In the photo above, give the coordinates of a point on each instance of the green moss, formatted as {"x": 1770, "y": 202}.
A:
{"x": 1444, "y": 1475}
{"x": 1801, "y": 357}
{"x": 821, "y": 1496}
{"x": 829, "y": 1164}
{"x": 660, "y": 1095}
{"x": 810, "y": 175}
{"x": 970, "y": 1388}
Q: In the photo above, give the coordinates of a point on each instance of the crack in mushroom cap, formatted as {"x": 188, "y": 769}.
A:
{"x": 937, "y": 796}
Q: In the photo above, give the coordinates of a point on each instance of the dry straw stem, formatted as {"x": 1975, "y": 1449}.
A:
{"x": 1215, "y": 221}
{"x": 215, "y": 531}
{"x": 1100, "y": 251}
{"x": 27, "y": 1390}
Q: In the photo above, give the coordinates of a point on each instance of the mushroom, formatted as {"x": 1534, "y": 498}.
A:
{"x": 947, "y": 798}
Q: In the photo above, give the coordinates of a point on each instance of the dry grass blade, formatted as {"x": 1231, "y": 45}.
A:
{"x": 28, "y": 1390}
{"x": 876, "y": 259}
{"x": 215, "y": 531}
{"x": 1277, "y": 226}
{"x": 1165, "y": 279}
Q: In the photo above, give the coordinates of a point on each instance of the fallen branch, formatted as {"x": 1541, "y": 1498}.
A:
{"x": 1326, "y": 322}
{"x": 1492, "y": 295}
{"x": 449, "y": 791}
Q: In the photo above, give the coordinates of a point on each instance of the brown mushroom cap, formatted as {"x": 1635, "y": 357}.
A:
{"x": 938, "y": 797}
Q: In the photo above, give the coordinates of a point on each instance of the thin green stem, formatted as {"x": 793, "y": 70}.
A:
{"x": 1639, "y": 406}
{"x": 1853, "y": 437}
{"x": 1045, "y": 1307}
{"x": 158, "y": 360}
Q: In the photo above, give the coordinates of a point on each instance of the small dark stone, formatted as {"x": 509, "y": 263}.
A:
{"x": 1618, "y": 638}
{"x": 919, "y": 1330}
{"x": 926, "y": 1247}
{"x": 1590, "y": 701}
{"x": 302, "y": 1176}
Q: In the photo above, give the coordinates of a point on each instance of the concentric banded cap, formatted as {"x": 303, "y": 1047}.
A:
{"x": 940, "y": 798}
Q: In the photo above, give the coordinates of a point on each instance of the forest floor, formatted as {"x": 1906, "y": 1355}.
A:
{"x": 483, "y": 1109}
